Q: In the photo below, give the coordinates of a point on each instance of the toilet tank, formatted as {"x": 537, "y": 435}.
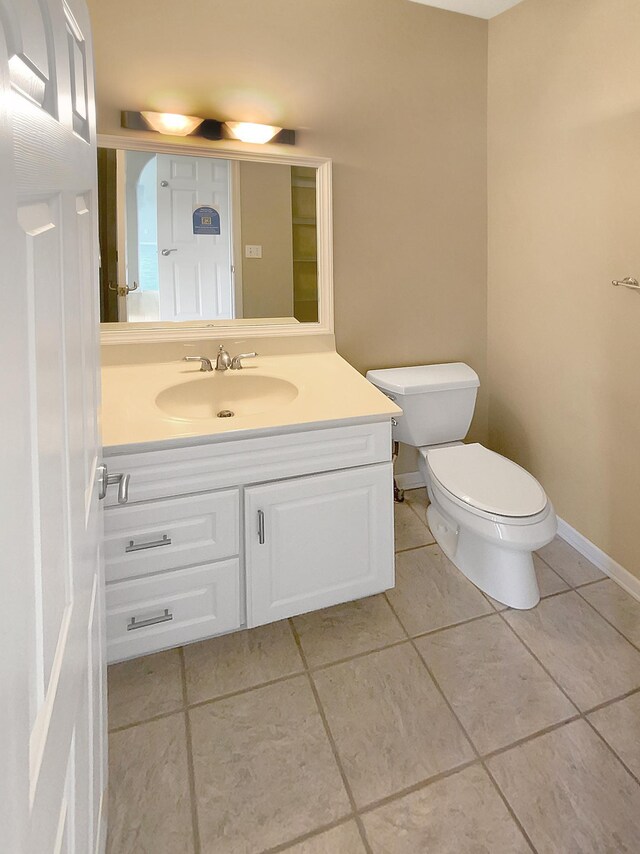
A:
{"x": 437, "y": 401}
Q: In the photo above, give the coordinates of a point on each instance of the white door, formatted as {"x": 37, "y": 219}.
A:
{"x": 194, "y": 270}
{"x": 51, "y": 650}
{"x": 316, "y": 541}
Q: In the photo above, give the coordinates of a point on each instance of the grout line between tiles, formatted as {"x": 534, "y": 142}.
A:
{"x": 230, "y": 694}
{"x": 191, "y": 771}
{"x": 417, "y": 787}
{"x": 568, "y": 583}
{"x": 150, "y": 720}
{"x": 325, "y": 665}
{"x": 606, "y": 619}
{"x": 520, "y": 741}
{"x": 364, "y": 654}
{"x": 615, "y": 753}
{"x": 471, "y": 743}
{"x": 363, "y": 833}
{"x": 594, "y": 581}
{"x": 419, "y": 635}
{"x": 532, "y": 653}
{"x": 313, "y": 669}
{"x": 334, "y": 748}
{"x": 410, "y": 505}
{"x": 612, "y": 701}
{"x": 582, "y": 715}
{"x": 414, "y": 548}
{"x": 305, "y": 837}
{"x": 317, "y": 667}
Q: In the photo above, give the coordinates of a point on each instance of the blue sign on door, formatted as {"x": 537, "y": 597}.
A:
{"x": 206, "y": 220}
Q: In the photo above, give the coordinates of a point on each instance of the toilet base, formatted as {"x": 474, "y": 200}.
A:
{"x": 506, "y": 574}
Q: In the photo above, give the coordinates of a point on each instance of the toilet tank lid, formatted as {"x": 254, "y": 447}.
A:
{"x": 423, "y": 378}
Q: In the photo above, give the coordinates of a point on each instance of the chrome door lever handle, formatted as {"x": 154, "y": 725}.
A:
{"x": 166, "y": 252}
{"x": 123, "y": 486}
{"x": 102, "y": 476}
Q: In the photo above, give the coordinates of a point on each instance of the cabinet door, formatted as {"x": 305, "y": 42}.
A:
{"x": 319, "y": 540}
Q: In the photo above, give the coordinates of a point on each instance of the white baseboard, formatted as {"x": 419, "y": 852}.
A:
{"x": 410, "y": 480}
{"x": 622, "y": 576}
{"x": 608, "y": 565}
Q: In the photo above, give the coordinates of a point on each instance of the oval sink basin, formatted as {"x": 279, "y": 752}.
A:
{"x": 242, "y": 394}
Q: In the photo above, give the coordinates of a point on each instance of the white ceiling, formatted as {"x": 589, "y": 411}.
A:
{"x": 478, "y": 8}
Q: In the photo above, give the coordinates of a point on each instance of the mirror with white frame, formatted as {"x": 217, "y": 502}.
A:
{"x": 193, "y": 238}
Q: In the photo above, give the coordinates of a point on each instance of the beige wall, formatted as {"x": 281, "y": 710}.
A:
{"x": 564, "y": 219}
{"x": 265, "y": 214}
{"x": 394, "y": 92}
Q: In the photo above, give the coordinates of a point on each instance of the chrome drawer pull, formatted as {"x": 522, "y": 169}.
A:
{"x": 261, "y": 527}
{"x": 150, "y": 621}
{"x": 138, "y": 547}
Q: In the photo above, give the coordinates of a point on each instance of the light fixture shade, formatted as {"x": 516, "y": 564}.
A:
{"x": 213, "y": 129}
{"x": 172, "y": 123}
{"x": 251, "y": 132}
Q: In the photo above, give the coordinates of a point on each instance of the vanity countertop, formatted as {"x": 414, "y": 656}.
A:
{"x": 330, "y": 392}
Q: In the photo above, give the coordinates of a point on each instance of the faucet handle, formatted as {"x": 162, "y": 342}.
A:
{"x": 236, "y": 362}
{"x": 205, "y": 364}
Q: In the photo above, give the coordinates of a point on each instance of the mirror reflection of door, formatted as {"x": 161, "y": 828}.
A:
{"x": 195, "y": 280}
{"x": 253, "y": 256}
{"x": 180, "y": 275}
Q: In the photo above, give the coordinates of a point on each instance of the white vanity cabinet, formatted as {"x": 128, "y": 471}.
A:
{"x": 215, "y": 537}
{"x": 315, "y": 541}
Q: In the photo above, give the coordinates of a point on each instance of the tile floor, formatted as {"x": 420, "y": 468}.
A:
{"x": 429, "y": 719}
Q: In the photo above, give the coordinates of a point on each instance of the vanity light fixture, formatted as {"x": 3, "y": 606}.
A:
{"x": 175, "y": 124}
{"x": 171, "y": 123}
{"x": 252, "y": 132}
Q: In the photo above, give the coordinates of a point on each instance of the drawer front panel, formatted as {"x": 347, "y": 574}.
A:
{"x": 149, "y": 614}
{"x": 164, "y": 473}
{"x": 162, "y": 535}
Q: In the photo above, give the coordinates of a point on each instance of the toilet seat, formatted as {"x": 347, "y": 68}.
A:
{"x": 485, "y": 481}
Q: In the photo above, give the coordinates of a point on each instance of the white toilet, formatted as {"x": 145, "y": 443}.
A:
{"x": 487, "y": 513}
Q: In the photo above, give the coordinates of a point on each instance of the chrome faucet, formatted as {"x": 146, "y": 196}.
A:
{"x": 223, "y": 360}
{"x": 236, "y": 363}
{"x": 205, "y": 364}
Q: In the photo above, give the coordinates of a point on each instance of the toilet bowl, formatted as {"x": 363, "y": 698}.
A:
{"x": 487, "y": 513}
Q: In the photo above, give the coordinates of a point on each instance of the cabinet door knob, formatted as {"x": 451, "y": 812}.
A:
{"x": 261, "y": 527}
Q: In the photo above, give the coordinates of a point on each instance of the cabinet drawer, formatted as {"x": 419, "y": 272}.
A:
{"x": 161, "y": 535}
{"x": 235, "y": 462}
{"x": 149, "y": 614}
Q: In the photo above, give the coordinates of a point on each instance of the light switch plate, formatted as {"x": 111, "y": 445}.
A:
{"x": 252, "y": 251}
